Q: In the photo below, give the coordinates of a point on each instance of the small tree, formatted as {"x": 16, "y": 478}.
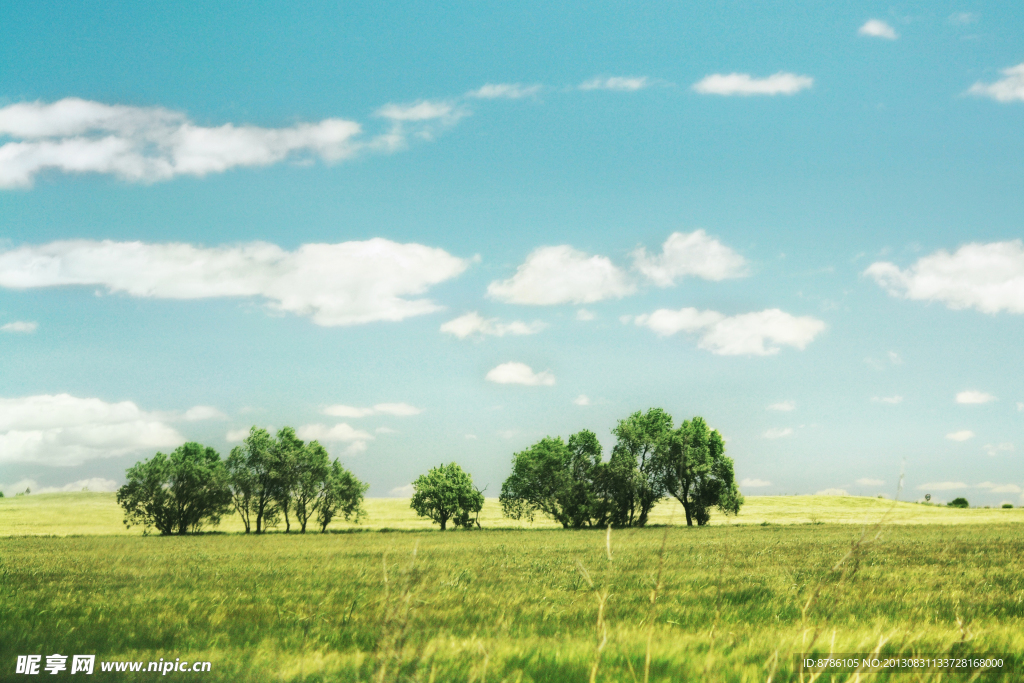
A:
{"x": 178, "y": 493}
{"x": 446, "y": 493}
{"x": 342, "y": 494}
{"x": 697, "y": 472}
{"x": 958, "y": 503}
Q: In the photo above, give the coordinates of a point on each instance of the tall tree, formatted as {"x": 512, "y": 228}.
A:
{"x": 697, "y": 472}
{"x": 342, "y": 495}
{"x": 312, "y": 471}
{"x": 177, "y": 493}
{"x": 285, "y": 454}
{"x": 242, "y": 484}
{"x": 446, "y": 493}
{"x": 253, "y": 473}
{"x": 635, "y": 482}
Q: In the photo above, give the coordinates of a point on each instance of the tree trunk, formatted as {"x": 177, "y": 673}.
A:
{"x": 689, "y": 517}
{"x": 444, "y": 523}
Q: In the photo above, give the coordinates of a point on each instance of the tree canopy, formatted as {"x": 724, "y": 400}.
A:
{"x": 697, "y": 473}
{"x": 446, "y": 493}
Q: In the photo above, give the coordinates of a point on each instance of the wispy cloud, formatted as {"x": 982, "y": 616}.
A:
{"x": 755, "y": 334}
{"x": 749, "y": 483}
{"x": 972, "y": 397}
{"x": 393, "y": 409}
{"x": 876, "y": 28}
{"x": 506, "y": 91}
{"x": 987, "y": 277}
{"x": 778, "y": 433}
{"x": 621, "y": 83}
{"x": 962, "y": 18}
{"x": 962, "y": 435}
{"x": 519, "y": 373}
{"x": 781, "y": 83}
{"x": 581, "y": 400}
{"x": 942, "y": 486}
{"x": 831, "y": 492}
{"x": 349, "y": 283}
{"x": 994, "y": 449}
{"x": 784, "y": 406}
{"x": 999, "y": 488}
{"x": 891, "y": 400}
{"x": 473, "y": 324}
{"x": 558, "y": 275}
{"x": 1010, "y": 88}
{"x": 20, "y": 327}
{"x": 583, "y": 315}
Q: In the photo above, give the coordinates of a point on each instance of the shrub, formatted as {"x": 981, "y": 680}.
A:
{"x": 1007, "y": 506}
{"x": 958, "y": 503}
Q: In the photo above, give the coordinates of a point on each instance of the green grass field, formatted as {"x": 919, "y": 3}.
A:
{"x": 514, "y": 604}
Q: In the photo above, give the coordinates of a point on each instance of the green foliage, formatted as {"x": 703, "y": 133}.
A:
{"x": 342, "y": 494}
{"x": 312, "y": 470}
{"x": 176, "y": 493}
{"x": 254, "y": 480}
{"x": 559, "y": 480}
{"x": 958, "y": 503}
{"x": 446, "y": 493}
{"x": 1007, "y": 506}
{"x": 697, "y": 472}
{"x": 286, "y": 461}
{"x": 635, "y": 479}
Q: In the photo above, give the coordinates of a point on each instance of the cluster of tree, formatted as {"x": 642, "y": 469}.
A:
{"x": 263, "y": 480}
{"x": 651, "y": 460}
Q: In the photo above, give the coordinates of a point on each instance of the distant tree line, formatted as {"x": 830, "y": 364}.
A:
{"x": 651, "y": 460}
{"x": 264, "y": 480}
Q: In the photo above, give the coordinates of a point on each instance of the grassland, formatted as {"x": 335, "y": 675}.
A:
{"x": 517, "y": 605}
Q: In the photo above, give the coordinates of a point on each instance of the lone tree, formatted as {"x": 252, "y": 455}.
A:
{"x": 447, "y": 493}
{"x": 557, "y": 479}
{"x": 177, "y": 493}
{"x": 697, "y": 473}
{"x": 958, "y": 503}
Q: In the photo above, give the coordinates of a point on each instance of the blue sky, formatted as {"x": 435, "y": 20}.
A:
{"x": 416, "y": 234}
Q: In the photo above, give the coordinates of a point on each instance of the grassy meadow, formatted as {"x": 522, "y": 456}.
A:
{"x": 734, "y": 601}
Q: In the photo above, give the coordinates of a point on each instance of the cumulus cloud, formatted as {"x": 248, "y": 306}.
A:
{"x": 559, "y": 275}
{"x": 778, "y": 433}
{"x": 149, "y": 144}
{"x": 754, "y": 334}
{"x": 66, "y": 430}
{"x": 473, "y": 324}
{"x": 695, "y": 254}
{"x": 962, "y": 435}
{"x": 867, "y": 481}
{"x": 582, "y": 400}
{"x": 832, "y": 492}
{"x": 784, "y": 406}
{"x": 621, "y": 83}
{"x": 1010, "y": 88}
{"x": 781, "y": 83}
{"x": 506, "y": 91}
{"x": 974, "y": 397}
{"x": 987, "y": 277}
{"x": 395, "y": 409}
{"x": 749, "y": 483}
{"x": 876, "y": 28}
{"x": 994, "y": 449}
{"x": 339, "y": 433}
{"x": 20, "y": 326}
{"x": 519, "y": 373}
{"x": 942, "y": 486}
{"x": 891, "y": 400}
{"x": 348, "y": 283}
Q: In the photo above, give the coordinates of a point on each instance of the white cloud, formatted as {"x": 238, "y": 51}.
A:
{"x": 198, "y": 413}
{"x": 149, "y": 144}
{"x": 1010, "y": 88}
{"x": 894, "y": 358}
{"x": 396, "y": 409}
{"x": 406, "y": 491}
{"x": 962, "y": 435}
{"x": 1020, "y": 407}
{"x": 988, "y": 277}
{"x": 781, "y": 83}
{"x": 942, "y": 486}
{"x": 876, "y": 28}
{"x": 235, "y": 435}
{"x": 972, "y": 396}
{"x": 784, "y": 406}
{"x": 583, "y": 315}
{"x": 94, "y": 484}
{"x": 474, "y": 324}
{"x": 507, "y": 433}
{"x": 994, "y": 449}
{"x": 65, "y": 430}
{"x": 962, "y": 18}
{"x": 999, "y": 488}
{"x": 348, "y": 283}
{"x": 582, "y": 400}
{"x": 385, "y": 430}
{"x": 756, "y": 334}
{"x": 866, "y": 481}
{"x": 519, "y": 373}
{"x": 754, "y": 483}
{"x": 891, "y": 400}
{"x": 470, "y": 437}
{"x": 20, "y": 326}
{"x": 339, "y": 433}
{"x": 506, "y": 91}
{"x": 423, "y": 110}
{"x": 832, "y": 492}
{"x": 778, "y": 433}
{"x": 621, "y": 83}
{"x": 559, "y": 275}
{"x": 693, "y": 253}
